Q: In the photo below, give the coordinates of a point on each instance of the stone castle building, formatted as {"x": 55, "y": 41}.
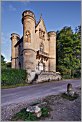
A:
{"x": 36, "y": 50}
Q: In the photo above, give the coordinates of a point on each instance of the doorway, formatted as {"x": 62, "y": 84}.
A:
{"x": 41, "y": 66}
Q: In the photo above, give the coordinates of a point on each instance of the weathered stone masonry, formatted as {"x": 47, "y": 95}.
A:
{"x": 35, "y": 51}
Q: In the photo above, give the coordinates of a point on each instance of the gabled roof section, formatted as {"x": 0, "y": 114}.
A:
{"x": 21, "y": 40}
{"x": 41, "y": 19}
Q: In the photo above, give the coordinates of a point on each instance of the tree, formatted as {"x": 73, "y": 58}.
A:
{"x": 68, "y": 50}
{"x": 2, "y": 59}
{"x": 8, "y": 64}
{"x": 3, "y": 62}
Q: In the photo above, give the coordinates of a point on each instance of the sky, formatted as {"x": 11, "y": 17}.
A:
{"x": 56, "y": 15}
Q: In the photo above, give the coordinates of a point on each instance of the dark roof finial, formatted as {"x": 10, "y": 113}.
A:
{"x": 41, "y": 16}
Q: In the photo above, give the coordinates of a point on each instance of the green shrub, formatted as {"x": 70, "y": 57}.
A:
{"x": 13, "y": 76}
{"x": 44, "y": 111}
{"x": 69, "y": 97}
{"x": 23, "y": 115}
{"x": 69, "y": 73}
{"x": 77, "y": 74}
{"x": 66, "y": 76}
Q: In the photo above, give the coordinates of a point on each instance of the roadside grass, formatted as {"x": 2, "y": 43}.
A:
{"x": 23, "y": 115}
{"x": 14, "y": 86}
{"x": 69, "y": 97}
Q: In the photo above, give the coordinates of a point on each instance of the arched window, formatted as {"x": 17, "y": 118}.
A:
{"x": 41, "y": 47}
{"x": 42, "y": 34}
{"x": 28, "y": 36}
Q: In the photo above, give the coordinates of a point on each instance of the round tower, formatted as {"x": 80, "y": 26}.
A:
{"x": 29, "y": 54}
{"x": 52, "y": 50}
{"x": 14, "y": 38}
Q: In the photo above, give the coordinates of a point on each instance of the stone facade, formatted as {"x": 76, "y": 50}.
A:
{"x": 36, "y": 50}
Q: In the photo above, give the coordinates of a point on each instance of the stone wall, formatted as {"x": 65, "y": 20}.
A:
{"x": 48, "y": 76}
{"x": 14, "y": 38}
{"x": 52, "y": 51}
{"x": 34, "y": 34}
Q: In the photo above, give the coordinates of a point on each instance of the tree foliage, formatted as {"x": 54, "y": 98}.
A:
{"x": 69, "y": 51}
{"x": 3, "y": 62}
{"x": 8, "y": 64}
{"x": 2, "y": 59}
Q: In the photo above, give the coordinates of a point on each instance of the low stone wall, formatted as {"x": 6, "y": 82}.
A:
{"x": 48, "y": 76}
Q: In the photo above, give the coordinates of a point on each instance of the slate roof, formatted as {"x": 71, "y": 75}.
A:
{"x": 21, "y": 40}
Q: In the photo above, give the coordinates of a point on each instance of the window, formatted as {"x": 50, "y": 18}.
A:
{"x": 41, "y": 47}
{"x": 28, "y": 36}
{"x": 41, "y": 34}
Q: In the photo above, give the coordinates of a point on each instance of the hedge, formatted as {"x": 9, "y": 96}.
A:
{"x": 13, "y": 76}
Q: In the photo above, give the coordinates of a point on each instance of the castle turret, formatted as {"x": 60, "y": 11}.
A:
{"x": 52, "y": 51}
{"x": 29, "y": 54}
{"x": 14, "y": 38}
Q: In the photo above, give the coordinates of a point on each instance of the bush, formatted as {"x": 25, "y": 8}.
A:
{"x": 23, "y": 115}
{"x": 13, "y": 76}
{"x": 66, "y": 76}
{"x": 77, "y": 74}
{"x": 69, "y": 97}
{"x": 45, "y": 111}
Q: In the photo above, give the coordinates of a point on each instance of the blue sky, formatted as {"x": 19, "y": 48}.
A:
{"x": 56, "y": 15}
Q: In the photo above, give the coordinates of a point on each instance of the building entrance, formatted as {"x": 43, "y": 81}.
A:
{"x": 41, "y": 66}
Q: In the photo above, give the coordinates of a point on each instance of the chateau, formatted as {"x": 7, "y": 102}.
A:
{"x": 35, "y": 51}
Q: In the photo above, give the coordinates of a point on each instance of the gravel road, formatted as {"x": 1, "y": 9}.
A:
{"x": 63, "y": 109}
{"x": 13, "y": 99}
{"x": 20, "y": 94}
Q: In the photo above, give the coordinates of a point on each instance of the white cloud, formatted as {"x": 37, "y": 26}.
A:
{"x": 5, "y": 37}
{"x": 2, "y": 38}
{"x": 25, "y": 2}
{"x": 6, "y": 46}
{"x": 12, "y": 8}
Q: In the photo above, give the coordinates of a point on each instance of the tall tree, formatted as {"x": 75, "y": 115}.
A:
{"x": 3, "y": 62}
{"x": 68, "y": 50}
{"x": 2, "y": 59}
